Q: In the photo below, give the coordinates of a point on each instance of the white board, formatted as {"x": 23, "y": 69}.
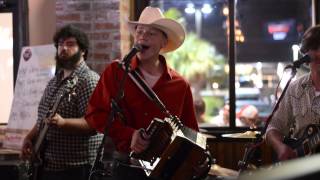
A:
{"x": 36, "y": 68}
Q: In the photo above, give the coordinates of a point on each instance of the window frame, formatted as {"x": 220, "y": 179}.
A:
{"x": 19, "y": 10}
{"x": 232, "y": 128}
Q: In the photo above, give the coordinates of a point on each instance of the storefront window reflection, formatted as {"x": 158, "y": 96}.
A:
{"x": 267, "y": 33}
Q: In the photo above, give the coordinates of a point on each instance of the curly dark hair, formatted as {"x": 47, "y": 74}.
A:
{"x": 71, "y": 31}
{"x": 310, "y": 39}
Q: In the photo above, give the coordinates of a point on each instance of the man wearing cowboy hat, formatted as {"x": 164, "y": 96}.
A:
{"x": 155, "y": 34}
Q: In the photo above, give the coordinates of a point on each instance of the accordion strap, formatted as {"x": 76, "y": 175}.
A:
{"x": 142, "y": 85}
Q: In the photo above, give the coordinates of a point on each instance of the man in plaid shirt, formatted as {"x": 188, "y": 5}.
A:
{"x": 69, "y": 148}
{"x": 299, "y": 107}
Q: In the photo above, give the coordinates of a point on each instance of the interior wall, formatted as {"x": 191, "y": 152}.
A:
{"x": 6, "y": 66}
{"x": 42, "y": 21}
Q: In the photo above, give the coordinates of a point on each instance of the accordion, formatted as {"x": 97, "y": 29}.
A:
{"x": 174, "y": 150}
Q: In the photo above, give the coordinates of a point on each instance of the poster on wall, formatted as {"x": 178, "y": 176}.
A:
{"x": 36, "y": 68}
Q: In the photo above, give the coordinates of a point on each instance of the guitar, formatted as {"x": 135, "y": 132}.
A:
{"x": 308, "y": 143}
{"x": 38, "y": 147}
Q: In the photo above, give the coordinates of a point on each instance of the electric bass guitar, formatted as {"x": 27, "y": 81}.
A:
{"x": 308, "y": 143}
{"x": 36, "y": 163}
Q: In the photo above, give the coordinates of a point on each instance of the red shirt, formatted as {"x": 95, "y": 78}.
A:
{"x": 171, "y": 88}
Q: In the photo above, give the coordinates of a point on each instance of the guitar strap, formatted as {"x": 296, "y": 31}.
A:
{"x": 141, "y": 83}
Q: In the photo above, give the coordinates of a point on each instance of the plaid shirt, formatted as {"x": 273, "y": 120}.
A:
{"x": 299, "y": 107}
{"x": 63, "y": 150}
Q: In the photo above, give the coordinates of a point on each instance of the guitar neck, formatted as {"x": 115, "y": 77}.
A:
{"x": 43, "y": 132}
{"x": 40, "y": 139}
{"x": 38, "y": 147}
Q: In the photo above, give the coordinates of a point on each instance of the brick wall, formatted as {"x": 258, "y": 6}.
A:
{"x": 101, "y": 20}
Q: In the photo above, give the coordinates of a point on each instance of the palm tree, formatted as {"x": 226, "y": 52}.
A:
{"x": 197, "y": 60}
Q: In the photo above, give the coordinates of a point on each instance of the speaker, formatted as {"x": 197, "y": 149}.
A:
{"x": 297, "y": 169}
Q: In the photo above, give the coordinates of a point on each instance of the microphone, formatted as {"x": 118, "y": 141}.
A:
{"x": 127, "y": 59}
{"x": 305, "y": 59}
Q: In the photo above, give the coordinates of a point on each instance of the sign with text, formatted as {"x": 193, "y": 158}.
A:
{"x": 36, "y": 68}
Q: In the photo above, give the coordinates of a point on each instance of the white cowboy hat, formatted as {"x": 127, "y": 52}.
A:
{"x": 153, "y": 17}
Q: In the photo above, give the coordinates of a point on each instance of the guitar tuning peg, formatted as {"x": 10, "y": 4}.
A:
{"x": 73, "y": 93}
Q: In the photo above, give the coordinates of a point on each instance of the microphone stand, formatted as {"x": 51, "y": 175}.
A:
{"x": 252, "y": 147}
{"x": 98, "y": 166}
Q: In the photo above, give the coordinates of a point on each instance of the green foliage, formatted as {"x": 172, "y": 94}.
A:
{"x": 196, "y": 56}
{"x": 212, "y": 105}
{"x": 173, "y": 13}
{"x": 199, "y": 62}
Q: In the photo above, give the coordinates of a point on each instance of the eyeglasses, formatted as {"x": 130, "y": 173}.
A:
{"x": 68, "y": 44}
{"x": 148, "y": 33}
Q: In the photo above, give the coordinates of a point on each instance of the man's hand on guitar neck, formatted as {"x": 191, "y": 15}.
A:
{"x": 56, "y": 120}
{"x": 275, "y": 139}
{"x": 71, "y": 125}
{"x": 284, "y": 152}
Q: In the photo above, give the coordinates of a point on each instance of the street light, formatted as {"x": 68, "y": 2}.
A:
{"x": 191, "y": 9}
{"x": 206, "y": 8}
{"x": 239, "y": 37}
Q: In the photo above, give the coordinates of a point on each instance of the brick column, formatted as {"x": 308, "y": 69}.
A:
{"x": 100, "y": 19}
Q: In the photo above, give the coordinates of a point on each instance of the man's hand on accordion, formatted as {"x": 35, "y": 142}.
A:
{"x": 140, "y": 141}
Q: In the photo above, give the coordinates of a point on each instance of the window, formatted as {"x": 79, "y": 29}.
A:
{"x": 265, "y": 36}
{"x": 13, "y": 35}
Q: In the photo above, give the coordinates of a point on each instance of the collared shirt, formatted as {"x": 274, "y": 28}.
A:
{"x": 63, "y": 150}
{"x": 299, "y": 108}
{"x": 171, "y": 88}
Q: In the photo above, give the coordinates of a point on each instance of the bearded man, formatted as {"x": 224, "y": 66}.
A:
{"x": 68, "y": 149}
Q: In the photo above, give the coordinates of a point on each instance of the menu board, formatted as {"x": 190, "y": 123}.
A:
{"x": 36, "y": 68}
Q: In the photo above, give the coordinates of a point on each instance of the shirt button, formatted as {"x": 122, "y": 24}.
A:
{"x": 146, "y": 114}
